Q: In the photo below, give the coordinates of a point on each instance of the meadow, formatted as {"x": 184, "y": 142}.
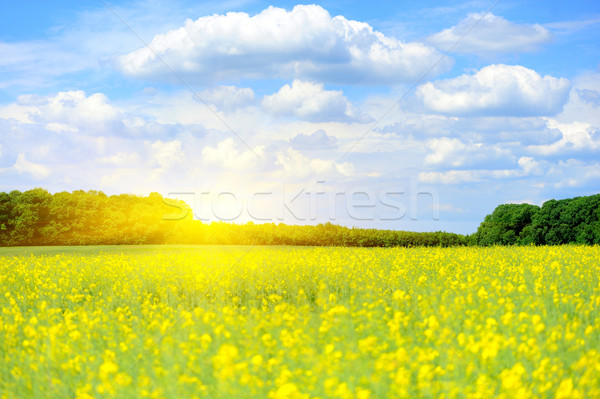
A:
{"x": 299, "y": 322}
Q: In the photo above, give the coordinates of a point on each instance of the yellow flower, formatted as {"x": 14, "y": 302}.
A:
{"x": 107, "y": 368}
{"x": 288, "y": 391}
{"x": 257, "y": 360}
{"x": 362, "y": 393}
{"x": 565, "y": 389}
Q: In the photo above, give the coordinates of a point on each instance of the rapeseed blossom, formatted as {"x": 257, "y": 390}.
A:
{"x": 303, "y": 323}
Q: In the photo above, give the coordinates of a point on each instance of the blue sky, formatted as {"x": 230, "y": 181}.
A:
{"x": 403, "y": 115}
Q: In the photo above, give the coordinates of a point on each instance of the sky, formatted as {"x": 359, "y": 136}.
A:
{"x": 401, "y": 115}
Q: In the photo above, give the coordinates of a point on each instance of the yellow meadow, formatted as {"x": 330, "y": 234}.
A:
{"x": 283, "y": 322}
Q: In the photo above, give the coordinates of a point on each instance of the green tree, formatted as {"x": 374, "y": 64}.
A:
{"x": 572, "y": 220}
{"x": 30, "y": 215}
{"x": 509, "y": 224}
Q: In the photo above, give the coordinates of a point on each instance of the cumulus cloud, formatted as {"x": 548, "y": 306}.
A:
{"x": 497, "y": 90}
{"x": 75, "y": 108}
{"x": 228, "y": 98}
{"x": 451, "y": 176}
{"x": 61, "y": 127}
{"x": 121, "y": 159}
{"x": 297, "y": 165}
{"x": 305, "y": 42}
{"x": 574, "y": 173}
{"x": 228, "y": 154}
{"x": 584, "y": 100}
{"x": 527, "y": 166}
{"x": 67, "y": 111}
{"x": 589, "y": 96}
{"x": 576, "y": 137}
{"x": 70, "y": 114}
{"x": 530, "y": 166}
{"x": 86, "y": 42}
{"x": 494, "y": 129}
{"x": 318, "y": 140}
{"x": 167, "y": 154}
{"x": 444, "y": 150}
{"x": 310, "y": 101}
{"x": 452, "y": 152}
{"x": 38, "y": 171}
{"x": 479, "y": 33}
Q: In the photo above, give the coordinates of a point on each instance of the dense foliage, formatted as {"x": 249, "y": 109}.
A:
{"x": 573, "y": 220}
{"x": 508, "y": 224}
{"x": 36, "y": 217}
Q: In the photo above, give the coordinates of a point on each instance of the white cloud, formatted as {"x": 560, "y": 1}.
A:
{"x": 60, "y": 127}
{"x": 38, "y": 171}
{"x": 71, "y": 114}
{"x": 576, "y": 137}
{"x": 571, "y": 27}
{"x": 530, "y": 166}
{"x": 17, "y": 112}
{"x": 297, "y": 165}
{"x": 584, "y": 100}
{"x": 167, "y": 154}
{"x": 452, "y": 152}
{"x": 76, "y": 108}
{"x": 305, "y": 42}
{"x": 309, "y": 101}
{"x": 86, "y": 42}
{"x": 122, "y": 159}
{"x": 67, "y": 111}
{"x": 479, "y": 33}
{"x": 514, "y": 130}
{"x": 319, "y": 139}
{"x": 228, "y": 98}
{"x": 228, "y": 155}
{"x": 498, "y": 90}
{"x": 527, "y": 167}
{"x": 445, "y": 151}
{"x": 450, "y": 177}
{"x": 465, "y": 176}
{"x": 589, "y": 96}
{"x": 575, "y": 173}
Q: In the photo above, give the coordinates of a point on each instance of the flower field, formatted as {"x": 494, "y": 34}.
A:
{"x": 289, "y": 322}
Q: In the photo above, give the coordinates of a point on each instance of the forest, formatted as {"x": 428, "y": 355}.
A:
{"x": 573, "y": 220}
{"x": 37, "y": 217}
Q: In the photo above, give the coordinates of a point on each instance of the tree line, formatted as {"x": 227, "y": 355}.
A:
{"x": 573, "y": 220}
{"x": 36, "y": 217}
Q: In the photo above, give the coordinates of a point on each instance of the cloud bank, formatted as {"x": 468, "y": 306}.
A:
{"x": 310, "y": 101}
{"x": 484, "y": 34}
{"x": 305, "y": 43}
{"x": 497, "y": 90}
{"x": 318, "y": 140}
